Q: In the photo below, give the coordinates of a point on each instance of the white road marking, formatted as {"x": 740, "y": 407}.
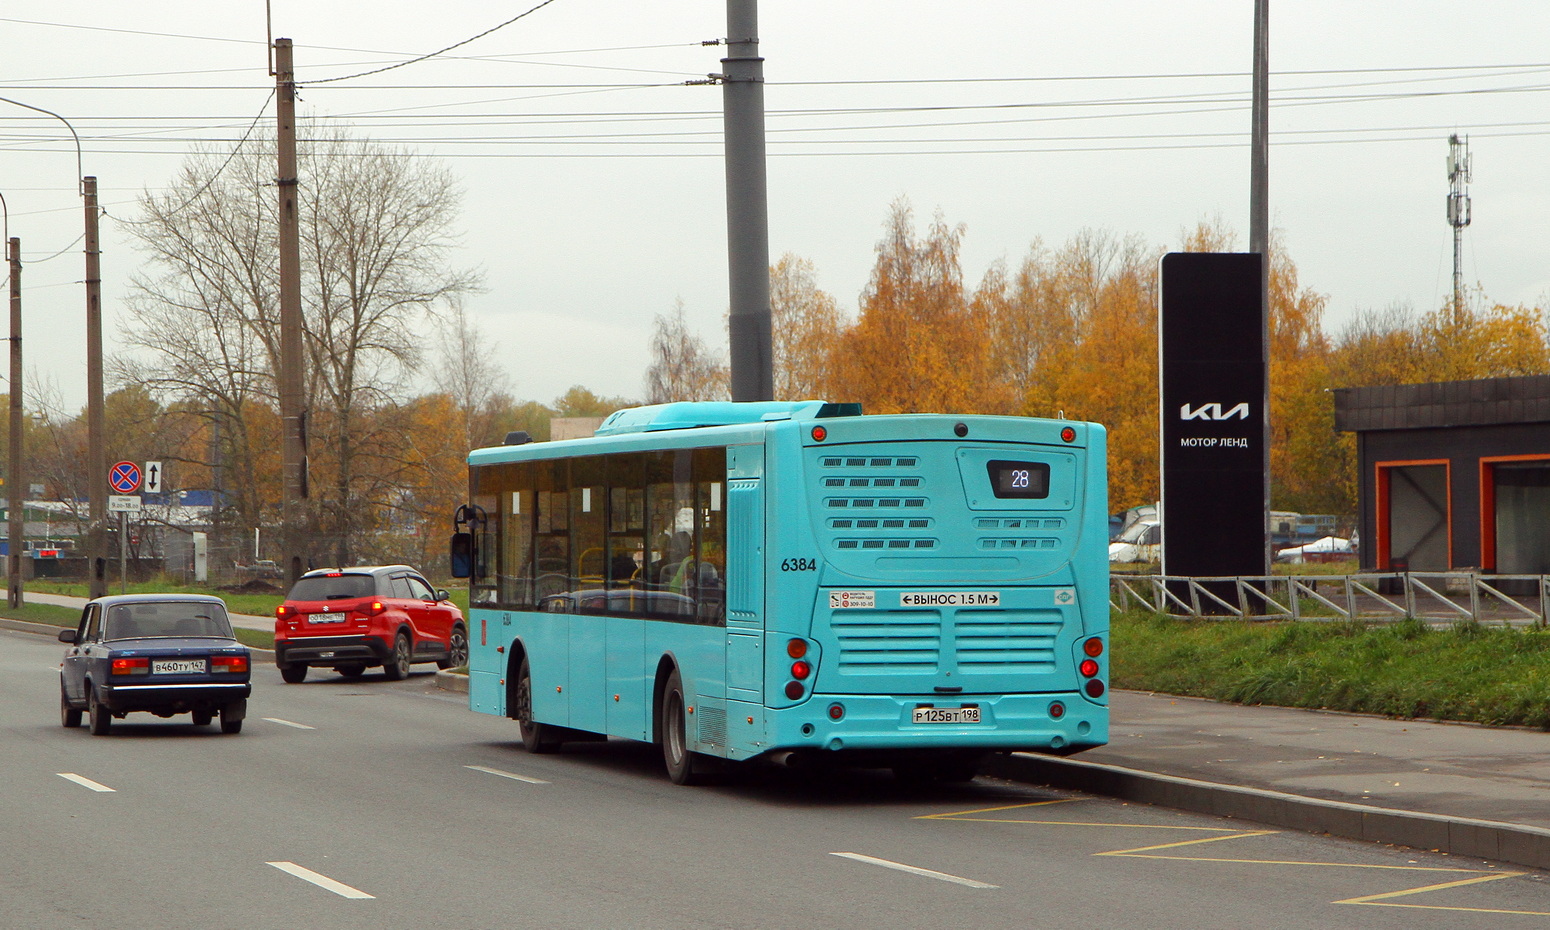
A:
{"x": 85, "y": 782}
{"x": 322, "y": 881}
{"x": 914, "y": 870}
{"x": 287, "y": 723}
{"x": 512, "y": 775}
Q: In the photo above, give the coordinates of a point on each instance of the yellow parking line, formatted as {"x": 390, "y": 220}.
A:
{"x": 992, "y": 810}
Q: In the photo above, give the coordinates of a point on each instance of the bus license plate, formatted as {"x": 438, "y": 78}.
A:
{"x": 947, "y": 715}
{"x": 177, "y": 666}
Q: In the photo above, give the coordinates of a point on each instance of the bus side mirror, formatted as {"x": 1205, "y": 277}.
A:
{"x": 462, "y": 555}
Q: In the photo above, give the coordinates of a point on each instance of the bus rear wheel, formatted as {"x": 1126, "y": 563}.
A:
{"x": 536, "y": 737}
{"x": 683, "y": 767}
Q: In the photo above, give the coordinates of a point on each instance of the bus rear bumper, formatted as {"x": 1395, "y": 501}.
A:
{"x": 1054, "y": 722}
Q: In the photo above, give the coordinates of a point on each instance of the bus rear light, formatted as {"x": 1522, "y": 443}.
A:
{"x": 836, "y": 711}
{"x": 800, "y": 670}
{"x": 1088, "y": 668}
{"x": 794, "y": 690}
{"x": 131, "y": 666}
{"x": 1057, "y": 710}
{"x": 796, "y": 648}
{"x": 820, "y": 434}
{"x": 1094, "y": 688}
{"x": 1068, "y": 434}
{"x": 1093, "y": 647}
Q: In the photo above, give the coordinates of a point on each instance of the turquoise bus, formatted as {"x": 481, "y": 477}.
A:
{"x": 742, "y": 580}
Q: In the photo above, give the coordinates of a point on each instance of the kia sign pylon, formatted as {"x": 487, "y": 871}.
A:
{"x": 1211, "y": 328}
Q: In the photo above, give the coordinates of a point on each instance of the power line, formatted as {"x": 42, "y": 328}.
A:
{"x": 449, "y": 48}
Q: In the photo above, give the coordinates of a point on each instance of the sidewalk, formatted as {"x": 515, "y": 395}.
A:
{"x": 1459, "y": 788}
{"x": 245, "y": 621}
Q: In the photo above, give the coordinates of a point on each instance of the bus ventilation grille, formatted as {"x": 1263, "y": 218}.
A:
{"x": 713, "y": 725}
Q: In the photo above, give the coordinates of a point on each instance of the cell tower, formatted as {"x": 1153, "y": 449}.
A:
{"x": 1458, "y": 214}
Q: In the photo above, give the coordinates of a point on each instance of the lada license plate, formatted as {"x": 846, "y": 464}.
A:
{"x": 177, "y": 666}
{"x": 947, "y": 715}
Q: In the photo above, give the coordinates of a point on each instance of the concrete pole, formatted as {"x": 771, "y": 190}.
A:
{"x": 16, "y": 482}
{"x": 1259, "y": 219}
{"x": 292, "y": 383}
{"x": 748, "y": 237}
{"x": 96, "y": 426}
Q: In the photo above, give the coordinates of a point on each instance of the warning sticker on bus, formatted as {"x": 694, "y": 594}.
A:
{"x": 950, "y": 599}
{"x": 843, "y": 600}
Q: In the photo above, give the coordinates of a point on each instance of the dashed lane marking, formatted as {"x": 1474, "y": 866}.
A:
{"x": 85, "y": 782}
{"x": 322, "y": 881}
{"x": 289, "y": 723}
{"x": 914, "y": 870}
{"x": 511, "y": 775}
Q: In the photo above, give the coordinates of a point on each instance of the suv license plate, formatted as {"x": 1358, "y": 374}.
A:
{"x": 326, "y": 618}
{"x": 947, "y": 715}
{"x": 177, "y": 666}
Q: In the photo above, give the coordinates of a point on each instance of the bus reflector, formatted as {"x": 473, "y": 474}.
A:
{"x": 820, "y": 434}
{"x": 836, "y": 711}
{"x": 1093, "y": 647}
{"x": 800, "y": 670}
{"x": 794, "y": 690}
{"x": 797, "y": 648}
{"x": 1088, "y": 668}
{"x": 1094, "y": 688}
{"x": 1057, "y": 710}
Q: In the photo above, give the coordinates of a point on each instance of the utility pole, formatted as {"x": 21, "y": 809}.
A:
{"x": 748, "y": 222}
{"x": 292, "y": 361}
{"x": 1458, "y": 215}
{"x": 16, "y": 491}
{"x": 1259, "y": 218}
{"x": 96, "y": 427}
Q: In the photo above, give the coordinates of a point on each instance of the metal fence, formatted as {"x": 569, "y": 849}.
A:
{"x": 1435, "y": 597}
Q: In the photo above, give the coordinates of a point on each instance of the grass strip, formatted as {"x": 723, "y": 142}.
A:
{"x": 70, "y": 617}
{"x": 1469, "y": 672}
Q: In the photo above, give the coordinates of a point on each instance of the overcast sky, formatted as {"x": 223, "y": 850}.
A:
{"x": 593, "y": 175}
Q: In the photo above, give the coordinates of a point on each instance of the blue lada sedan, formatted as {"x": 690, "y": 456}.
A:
{"x": 164, "y": 654}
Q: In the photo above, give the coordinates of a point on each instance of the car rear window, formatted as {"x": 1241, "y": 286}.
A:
{"x": 186, "y": 618}
{"x": 333, "y": 588}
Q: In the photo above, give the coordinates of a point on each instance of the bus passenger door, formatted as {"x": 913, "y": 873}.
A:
{"x": 745, "y": 573}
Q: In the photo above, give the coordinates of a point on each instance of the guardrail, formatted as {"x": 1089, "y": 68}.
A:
{"x": 1518, "y": 600}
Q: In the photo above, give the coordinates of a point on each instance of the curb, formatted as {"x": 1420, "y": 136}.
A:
{"x": 48, "y": 629}
{"x": 1459, "y": 836}
{"x": 451, "y": 681}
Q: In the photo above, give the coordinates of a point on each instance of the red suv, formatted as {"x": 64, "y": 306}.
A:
{"x": 352, "y": 619}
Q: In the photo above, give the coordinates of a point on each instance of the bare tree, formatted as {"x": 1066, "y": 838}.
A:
{"x": 378, "y": 242}
{"x": 682, "y": 366}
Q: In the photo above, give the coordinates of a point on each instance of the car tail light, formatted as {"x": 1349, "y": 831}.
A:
{"x": 232, "y": 664}
{"x": 131, "y": 666}
{"x": 1088, "y": 668}
{"x": 1093, "y": 647}
{"x": 372, "y": 609}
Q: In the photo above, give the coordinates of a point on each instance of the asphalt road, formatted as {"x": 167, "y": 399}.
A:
{"x": 369, "y": 803}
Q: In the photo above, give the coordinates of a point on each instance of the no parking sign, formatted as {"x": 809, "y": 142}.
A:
{"x": 124, "y": 477}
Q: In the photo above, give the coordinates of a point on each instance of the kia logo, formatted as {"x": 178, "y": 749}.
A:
{"x": 1213, "y": 412}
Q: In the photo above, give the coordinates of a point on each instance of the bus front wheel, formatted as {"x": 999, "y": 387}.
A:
{"x": 536, "y": 737}
{"x": 682, "y": 766}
